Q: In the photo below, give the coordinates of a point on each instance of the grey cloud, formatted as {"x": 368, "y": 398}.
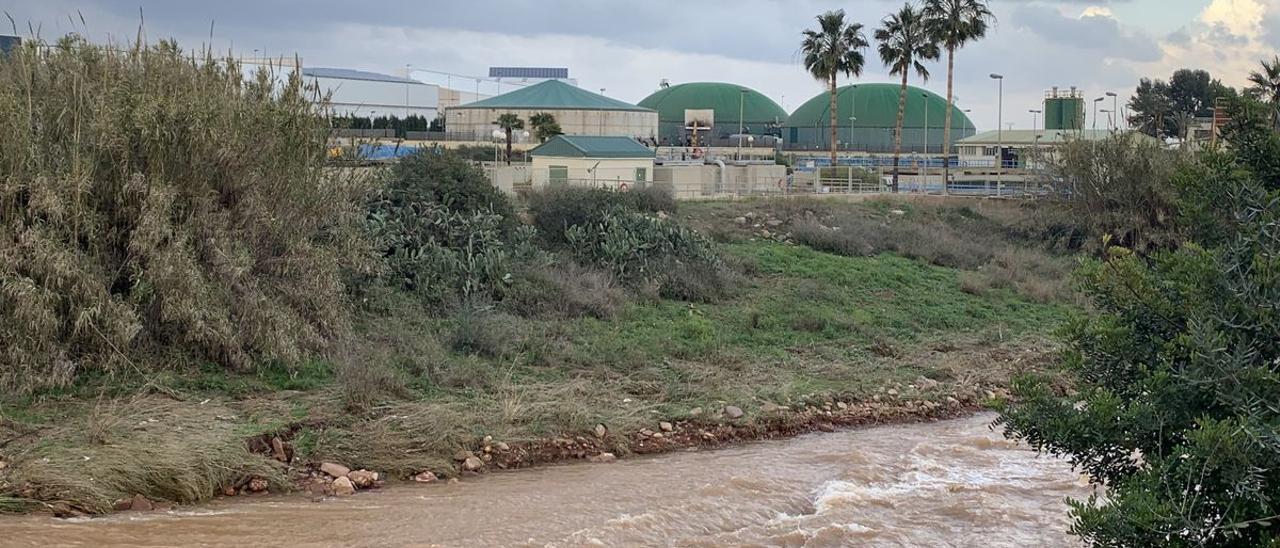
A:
{"x": 1180, "y": 37}
{"x": 1094, "y": 33}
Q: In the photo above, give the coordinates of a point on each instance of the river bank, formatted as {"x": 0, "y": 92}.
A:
{"x": 808, "y": 340}
{"x": 950, "y": 482}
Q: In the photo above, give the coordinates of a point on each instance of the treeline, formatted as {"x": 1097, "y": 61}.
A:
{"x": 413, "y": 122}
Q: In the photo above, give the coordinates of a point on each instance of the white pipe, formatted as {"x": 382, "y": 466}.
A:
{"x": 724, "y": 175}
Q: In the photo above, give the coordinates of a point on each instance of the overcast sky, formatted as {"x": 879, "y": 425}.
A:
{"x": 628, "y": 46}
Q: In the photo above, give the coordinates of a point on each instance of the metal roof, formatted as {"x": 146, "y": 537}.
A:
{"x": 584, "y": 146}
{"x": 1017, "y": 137}
{"x": 725, "y": 99}
{"x": 876, "y": 106}
{"x": 350, "y": 74}
{"x": 551, "y": 95}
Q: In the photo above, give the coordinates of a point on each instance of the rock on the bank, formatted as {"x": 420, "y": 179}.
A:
{"x": 343, "y": 487}
{"x": 472, "y": 463}
{"x": 141, "y": 504}
{"x": 733, "y": 412}
{"x": 601, "y": 431}
{"x": 335, "y": 470}
{"x": 362, "y": 479}
{"x": 665, "y": 426}
{"x": 425, "y": 477}
{"x": 603, "y": 457}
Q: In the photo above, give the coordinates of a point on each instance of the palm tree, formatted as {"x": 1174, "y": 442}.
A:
{"x": 904, "y": 43}
{"x": 544, "y": 126}
{"x": 835, "y": 48}
{"x": 954, "y": 23}
{"x": 1266, "y": 86}
{"x": 508, "y": 123}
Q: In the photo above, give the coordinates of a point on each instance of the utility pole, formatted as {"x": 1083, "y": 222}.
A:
{"x": 999, "y": 136}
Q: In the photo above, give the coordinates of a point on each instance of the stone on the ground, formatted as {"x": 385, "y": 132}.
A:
{"x": 733, "y": 412}
{"x": 141, "y": 504}
{"x": 343, "y": 487}
{"x": 740, "y": 220}
{"x": 425, "y": 477}
{"x": 122, "y": 505}
{"x": 362, "y": 479}
{"x": 278, "y": 451}
{"x": 892, "y": 392}
{"x": 603, "y": 457}
{"x": 229, "y": 491}
{"x": 842, "y": 405}
{"x": 334, "y": 469}
{"x": 257, "y": 485}
{"x": 695, "y": 411}
{"x": 898, "y": 212}
{"x": 503, "y": 447}
{"x": 665, "y": 426}
{"x": 601, "y": 431}
{"x": 770, "y": 407}
{"x": 472, "y": 463}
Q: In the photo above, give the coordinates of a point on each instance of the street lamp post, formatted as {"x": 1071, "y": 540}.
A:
{"x": 1115, "y": 107}
{"x": 1095, "y": 112}
{"x": 999, "y": 135}
{"x": 742, "y": 100}
{"x": 853, "y": 111}
{"x": 1107, "y": 111}
{"x": 924, "y": 173}
{"x": 406, "y": 96}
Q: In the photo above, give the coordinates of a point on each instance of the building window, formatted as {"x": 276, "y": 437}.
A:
{"x": 558, "y": 175}
{"x": 641, "y": 174}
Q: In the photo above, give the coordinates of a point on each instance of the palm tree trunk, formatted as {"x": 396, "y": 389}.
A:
{"x": 946, "y": 128}
{"x": 897, "y": 136}
{"x": 508, "y": 146}
{"x": 833, "y": 121}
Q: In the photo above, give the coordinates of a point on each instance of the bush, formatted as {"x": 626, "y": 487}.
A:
{"x": 154, "y": 199}
{"x": 1177, "y": 380}
{"x": 564, "y": 290}
{"x": 555, "y": 210}
{"x": 635, "y": 246}
{"x": 449, "y": 180}
{"x": 1119, "y": 187}
{"x": 481, "y": 331}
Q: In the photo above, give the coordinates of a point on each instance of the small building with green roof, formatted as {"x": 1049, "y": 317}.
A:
{"x": 588, "y": 160}
{"x": 733, "y": 106}
{"x": 578, "y": 111}
{"x": 867, "y": 115}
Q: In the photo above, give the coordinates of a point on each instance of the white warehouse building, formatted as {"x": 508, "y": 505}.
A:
{"x": 370, "y": 94}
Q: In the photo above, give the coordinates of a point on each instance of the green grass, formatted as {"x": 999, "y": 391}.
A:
{"x": 805, "y": 325}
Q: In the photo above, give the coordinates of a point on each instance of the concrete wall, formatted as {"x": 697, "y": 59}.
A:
{"x": 692, "y": 182}
{"x": 600, "y": 172}
{"x": 478, "y": 124}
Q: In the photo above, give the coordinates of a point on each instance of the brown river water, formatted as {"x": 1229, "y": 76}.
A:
{"x": 950, "y": 483}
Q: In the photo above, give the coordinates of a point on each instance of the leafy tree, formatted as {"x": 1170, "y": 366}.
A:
{"x": 954, "y": 23}
{"x": 835, "y": 48}
{"x": 544, "y": 126}
{"x": 1150, "y": 106}
{"x": 1176, "y": 408}
{"x": 509, "y": 122}
{"x": 1266, "y": 86}
{"x": 904, "y": 43}
{"x": 1165, "y": 109}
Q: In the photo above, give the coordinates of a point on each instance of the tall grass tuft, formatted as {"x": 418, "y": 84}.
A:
{"x": 154, "y": 199}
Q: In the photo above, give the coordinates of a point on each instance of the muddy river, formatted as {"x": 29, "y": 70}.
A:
{"x": 952, "y": 483}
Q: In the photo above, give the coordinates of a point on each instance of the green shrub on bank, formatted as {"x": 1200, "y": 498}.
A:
{"x": 449, "y": 180}
{"x": 554, "y": 210}
{"x": 155, "y": 200}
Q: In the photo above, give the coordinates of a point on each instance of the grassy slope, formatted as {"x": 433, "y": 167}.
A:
{"x": 807, "y": 324}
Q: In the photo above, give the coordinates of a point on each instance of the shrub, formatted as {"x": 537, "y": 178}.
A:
{"x": 555, "y": 210}
{"x": 449, "y": 180}
{"x": 1119, "y": 187}
{"x": 480, "y": 330}
{"x": 1177, "y": 380}
{"x": 564, "y": 290}
{"x": 156, "y": 199}
{"x": 636, "y": 246}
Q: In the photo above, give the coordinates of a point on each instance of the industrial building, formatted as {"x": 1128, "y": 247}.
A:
{"x": 866, "y": 116}
{"x": 370, "y": 94}
{"x": 1064, "y": 110}
{"x": 610, "y": 162}
{"x": 710, "y": 112}
{"x": 578, "y": 111}
{"x": 1025, "y": 148}
{"x": 527, "y": 76}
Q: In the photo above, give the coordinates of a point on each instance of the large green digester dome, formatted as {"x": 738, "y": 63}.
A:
{"x": 874, "y": 112}
{"x": 760, "y": 115}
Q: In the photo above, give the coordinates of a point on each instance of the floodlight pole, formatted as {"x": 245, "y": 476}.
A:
{"x": 999, "y": 136}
